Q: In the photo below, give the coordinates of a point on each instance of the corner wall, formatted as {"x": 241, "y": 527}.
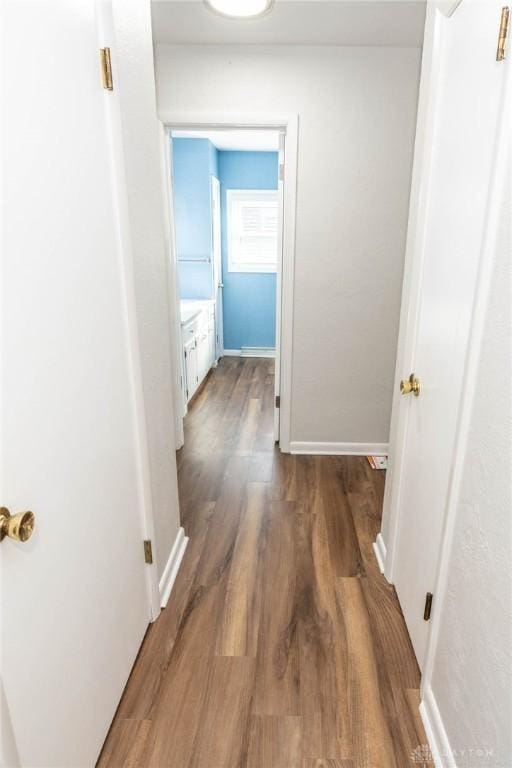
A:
{"x": 357, "y": 115}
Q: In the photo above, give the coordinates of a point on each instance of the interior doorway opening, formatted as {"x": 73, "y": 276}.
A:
{"x": 227, "y": 209}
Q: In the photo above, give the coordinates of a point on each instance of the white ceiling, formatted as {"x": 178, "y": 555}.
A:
{"x": 254, "y": 141}
{"x": 294, "y": 22}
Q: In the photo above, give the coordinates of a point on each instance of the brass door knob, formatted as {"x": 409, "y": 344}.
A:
{"x": 18, "y": 527}
{"x": 412, "y": 384}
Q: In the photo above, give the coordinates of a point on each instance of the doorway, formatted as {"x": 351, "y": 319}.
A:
{"x": 232, "y": 219}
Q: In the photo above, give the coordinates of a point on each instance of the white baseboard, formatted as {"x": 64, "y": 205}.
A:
{"x": 250, "y": 352}
{"x": 442, "y": 754}
{"x": 258, "y": 352}
{"x": 340, "y": 449}
{"x": 172, "y": 567}
{"x": 379, "y": 547}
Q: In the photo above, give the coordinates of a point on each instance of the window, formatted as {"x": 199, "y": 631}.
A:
{"x": 252, "y": 230}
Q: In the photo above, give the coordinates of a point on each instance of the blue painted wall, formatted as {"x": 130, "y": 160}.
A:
{"x": 194, "y": 161}
{"x": 249, "y": 299}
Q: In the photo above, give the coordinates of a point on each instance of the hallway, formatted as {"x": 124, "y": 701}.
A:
{"x": 282, "y": 644}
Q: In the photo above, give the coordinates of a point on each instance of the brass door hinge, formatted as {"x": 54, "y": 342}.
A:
{"x": 428, "y": 606}
{"x": 503, "y": 34}
{"x": 106, "y": 69}
{"x": 278, "y": 401}
{"x": 148, "y": 551}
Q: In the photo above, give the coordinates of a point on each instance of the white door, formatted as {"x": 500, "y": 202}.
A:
{"x": 470, "y": 98}
{"x": 74, "y": 597}
{"x": 217, "y": 267}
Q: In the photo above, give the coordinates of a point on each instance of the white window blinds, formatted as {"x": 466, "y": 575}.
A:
{"x": 252, "y": 230}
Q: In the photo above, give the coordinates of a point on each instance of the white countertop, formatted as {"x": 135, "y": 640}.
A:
{"x": 190, "y": 308}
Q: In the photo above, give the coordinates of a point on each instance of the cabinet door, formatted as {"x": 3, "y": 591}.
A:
{"x": 211, "y": 338}
{"x": 191, "y": 376}
{"x": 203, "y": 362}
{"x": 211, "y": 346}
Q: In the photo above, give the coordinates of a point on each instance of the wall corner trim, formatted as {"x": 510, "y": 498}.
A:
{"x": 339, "y": 449}
{"x": 172, "y": 567}
{"x": 442, "y": 754}
{"x": 379, "y": 547}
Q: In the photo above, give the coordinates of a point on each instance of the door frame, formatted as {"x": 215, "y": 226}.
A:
{"x": 115, "y": 109}
{"x": 173, "y": 287}
{"x": 218, "y": 284}
{"x": 289, "y": 125}
{"x": 427, "y": 116}
{"x": 500, "y": 177}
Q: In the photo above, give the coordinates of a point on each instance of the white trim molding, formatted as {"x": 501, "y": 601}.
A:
{"x": 442, "y": 753}
{"x": 339, "y": 449}
{"x": 289, "y": 125}
{"x": 250, "y": 352}
{"x": 172, "y": 567}
{"x": 258, "y": 352}
{"x": 379, "y": 547}
{"x": 116, "y": 115}
{"x": 180, "y": 404}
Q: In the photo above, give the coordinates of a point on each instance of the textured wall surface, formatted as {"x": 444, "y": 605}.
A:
{"x": 472, "y": 674}
{"x": 357, "y": 113}
{"x": 249, "y": 298}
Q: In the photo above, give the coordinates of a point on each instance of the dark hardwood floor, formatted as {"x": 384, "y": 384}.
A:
{"x": 282, "y": 645}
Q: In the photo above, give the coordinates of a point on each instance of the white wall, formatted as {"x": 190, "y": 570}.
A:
{"x": 134, "y": 82}
{"x": 357, "y": 111}
{"x": 472, "y": 670}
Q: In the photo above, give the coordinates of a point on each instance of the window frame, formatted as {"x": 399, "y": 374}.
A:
{"x": 234, "y": 265}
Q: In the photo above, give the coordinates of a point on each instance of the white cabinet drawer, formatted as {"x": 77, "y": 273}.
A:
{"x": 193, "y": 326}
{"x": 188, "y": 332}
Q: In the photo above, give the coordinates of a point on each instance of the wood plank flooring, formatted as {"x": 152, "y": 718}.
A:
{"x": 282, "y": 645}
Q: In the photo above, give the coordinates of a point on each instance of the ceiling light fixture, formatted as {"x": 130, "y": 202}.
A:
{"x": 240, "y": 9}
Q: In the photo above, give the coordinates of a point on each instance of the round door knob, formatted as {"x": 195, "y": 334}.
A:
{"x": 410, "y": 385}
{"x": 18, "y": 527}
